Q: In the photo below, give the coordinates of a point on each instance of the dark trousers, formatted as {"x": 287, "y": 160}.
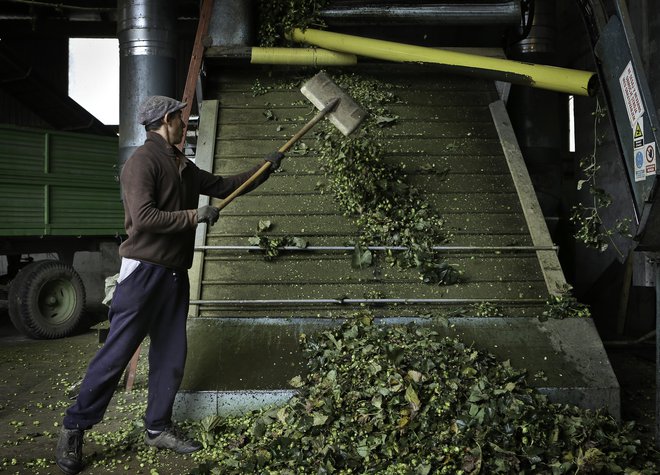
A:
{"x": 152, "y": 300}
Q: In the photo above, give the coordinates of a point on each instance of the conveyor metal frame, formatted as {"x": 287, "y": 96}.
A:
{"x": 385, "y": 248}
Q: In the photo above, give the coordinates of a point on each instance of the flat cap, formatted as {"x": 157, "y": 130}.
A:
{"x": 155, "y": 107}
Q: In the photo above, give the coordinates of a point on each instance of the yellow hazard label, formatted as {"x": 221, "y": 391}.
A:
{"x": 638, "y": 131}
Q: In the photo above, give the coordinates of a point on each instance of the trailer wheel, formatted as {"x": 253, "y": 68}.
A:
{"x": 46, "y": 300}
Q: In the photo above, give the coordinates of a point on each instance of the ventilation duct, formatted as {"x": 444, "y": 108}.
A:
{"x": 355, "y": 12}
{"x": 232, "y": 23}
{"x": 147, "y": 52}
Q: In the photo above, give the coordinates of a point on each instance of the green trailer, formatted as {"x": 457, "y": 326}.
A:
{"x": 59, "y": 194}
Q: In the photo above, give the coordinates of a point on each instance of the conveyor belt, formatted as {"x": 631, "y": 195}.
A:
{"x": 444, "y": 124}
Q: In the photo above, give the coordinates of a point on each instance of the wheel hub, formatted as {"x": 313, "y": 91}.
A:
{"x": 57, "y": 300}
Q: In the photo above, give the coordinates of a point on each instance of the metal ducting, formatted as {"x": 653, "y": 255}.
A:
{"x": 355, "y": 12}
{"x": 542, "y": 35}
{"x": 147, "y": 49}
{"x": 232, "y": 23}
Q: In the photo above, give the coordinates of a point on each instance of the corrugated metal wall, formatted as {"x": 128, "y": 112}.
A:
{"x": 58, "y": 184}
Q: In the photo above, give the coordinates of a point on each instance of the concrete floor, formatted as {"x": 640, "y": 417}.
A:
{"x": 36, "y": 377}
{"x": 36, "y": 380}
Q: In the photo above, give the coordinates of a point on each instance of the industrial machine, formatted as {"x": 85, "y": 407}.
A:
{"x": 500, "y": 197}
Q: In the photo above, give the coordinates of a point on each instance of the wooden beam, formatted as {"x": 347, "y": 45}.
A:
{"x": 204, "y": 159}
{"x": 195, "y": 63}
{"x": 550, "y": 266}
{"x": 131, "y": 370}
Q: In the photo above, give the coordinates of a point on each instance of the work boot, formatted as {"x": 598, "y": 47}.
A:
{"x": 172, "y": 438}
{"x": 68, "y": 454}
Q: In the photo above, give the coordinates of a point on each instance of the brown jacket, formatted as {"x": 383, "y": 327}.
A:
{"x": 160, "y": 206}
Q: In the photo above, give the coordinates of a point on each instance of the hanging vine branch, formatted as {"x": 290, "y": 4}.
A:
{"x": 591, "y": 230}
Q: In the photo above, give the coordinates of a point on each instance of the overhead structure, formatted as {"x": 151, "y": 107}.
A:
{"x": 564, "y": 80}
{"x": 355, "y": 13}
{"x": 468, "y": 23}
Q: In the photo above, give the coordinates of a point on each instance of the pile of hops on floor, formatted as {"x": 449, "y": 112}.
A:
{"x": 400, "y": 399}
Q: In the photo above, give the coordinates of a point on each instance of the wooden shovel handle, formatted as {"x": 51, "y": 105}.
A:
{"x": 319, "y": 115}
{"x": 329, "y": 107}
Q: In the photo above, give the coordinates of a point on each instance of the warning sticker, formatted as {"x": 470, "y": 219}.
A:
{"x": 650, "y": 158}
{"x": 638, "y": 129}
{"x": 645, "y": 158}
{"x": 640, "y": 170}
{"x": 631, "y": 95}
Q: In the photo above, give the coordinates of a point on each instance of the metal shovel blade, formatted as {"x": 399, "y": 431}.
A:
{"x": 321, "y": 90}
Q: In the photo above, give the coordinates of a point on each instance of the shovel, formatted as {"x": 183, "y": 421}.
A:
{"x": 326, "y": 96}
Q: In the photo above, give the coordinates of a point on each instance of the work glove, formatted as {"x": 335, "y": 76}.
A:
{"x": 274, "y": 158}
{"x": 208, "y": 214}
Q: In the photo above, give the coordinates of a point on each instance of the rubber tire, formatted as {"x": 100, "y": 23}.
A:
{"x": 46, "y": 300}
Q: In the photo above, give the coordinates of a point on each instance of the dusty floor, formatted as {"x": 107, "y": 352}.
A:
{"x": 35, "y": 385}
{"x": 36, "y": 379}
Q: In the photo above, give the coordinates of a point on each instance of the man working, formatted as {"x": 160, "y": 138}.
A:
{"x": 161, "y": 190}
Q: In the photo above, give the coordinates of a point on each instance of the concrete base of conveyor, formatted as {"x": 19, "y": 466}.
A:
{"x": 248, "y": 312}
{"x": 240, "y": 364}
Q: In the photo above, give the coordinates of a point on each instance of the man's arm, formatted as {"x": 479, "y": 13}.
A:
{"x": 221, "y": 187}
{"x": 139, "y": 190}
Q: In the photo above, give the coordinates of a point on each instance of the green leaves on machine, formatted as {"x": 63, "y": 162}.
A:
{"x": 272, "y": 246}
{"x": 377, "y": 194}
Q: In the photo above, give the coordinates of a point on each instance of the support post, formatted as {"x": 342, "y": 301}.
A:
{"x": 195, "y": 64}
{"x": 656, "y": 264}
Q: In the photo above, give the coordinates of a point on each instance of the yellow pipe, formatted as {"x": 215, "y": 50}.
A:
{"x": 301, "y": 56}
{"x": 569, "y": 81}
